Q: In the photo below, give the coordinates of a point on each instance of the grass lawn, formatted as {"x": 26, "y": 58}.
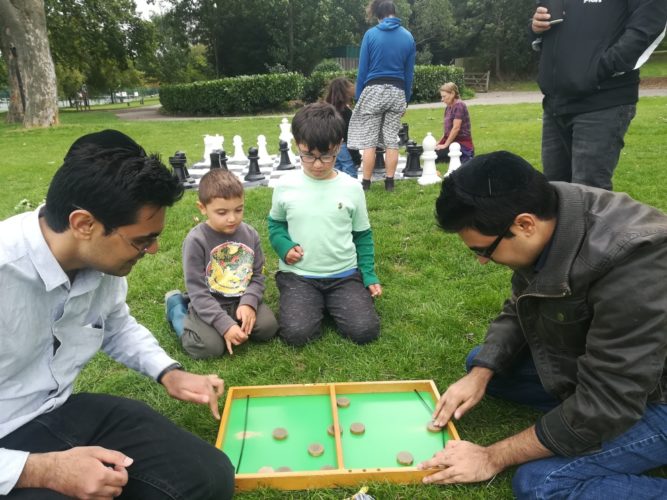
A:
{"x": 437, "y": 303}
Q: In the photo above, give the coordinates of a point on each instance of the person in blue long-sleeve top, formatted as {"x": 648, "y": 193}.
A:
{"x": 384, "y": 86}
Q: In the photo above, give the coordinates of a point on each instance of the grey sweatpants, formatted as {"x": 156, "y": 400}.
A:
{"x": 200, "y": 340}
{"x": 303, "y": 302}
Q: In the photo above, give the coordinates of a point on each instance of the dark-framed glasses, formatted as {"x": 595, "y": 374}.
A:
{"x": 309, "y": 159}
{"x": 143, "y": 247}
{"x": 487, "y": 252}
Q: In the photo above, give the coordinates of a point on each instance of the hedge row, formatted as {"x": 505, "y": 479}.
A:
{"x": 252, "y": 94}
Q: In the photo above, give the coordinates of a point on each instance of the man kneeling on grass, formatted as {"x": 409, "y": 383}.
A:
{"x": 583, "y": 337}
{"x": 62, "y": 271}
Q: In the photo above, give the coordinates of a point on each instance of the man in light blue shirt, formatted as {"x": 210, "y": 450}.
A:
{"x": 62, "y": 271}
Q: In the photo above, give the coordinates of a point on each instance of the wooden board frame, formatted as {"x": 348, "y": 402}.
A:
{"x": 300, "y": 480}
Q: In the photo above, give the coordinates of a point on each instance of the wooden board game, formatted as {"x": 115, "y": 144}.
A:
{"x": 319, "y": 449}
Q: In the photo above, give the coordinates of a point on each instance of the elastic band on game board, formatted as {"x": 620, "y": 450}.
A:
{"x": 245, "y": 429}
{"x": 430, "y": 411}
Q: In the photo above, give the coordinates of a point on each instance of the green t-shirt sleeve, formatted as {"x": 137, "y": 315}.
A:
{"x": 360, "y": 220}
{"x": 279, "y": 237}
{"x": 363, "y": 241}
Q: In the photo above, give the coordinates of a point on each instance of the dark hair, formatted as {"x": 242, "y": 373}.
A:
{"x": 219, "y": 183}
{"x": 112, "y": 177}
{"x": 489, "y": 191}
{"x": 338, "y": 93}
{"x": 380, "y": 9}
{"x": 318, "y": 126}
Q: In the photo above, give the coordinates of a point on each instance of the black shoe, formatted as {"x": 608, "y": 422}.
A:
{"x": 389, "y": 184}
{"x": 366, "y": 184}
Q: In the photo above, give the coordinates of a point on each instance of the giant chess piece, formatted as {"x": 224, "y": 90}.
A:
{"x": 177, "y": 163}
{"x": 412, "y": 166}
{"x": 286, "y": 135}
{"x": 219, "y": 159}
{"x": 403, "y": 135}
{"x": 264, "y": 157}
{"x": 430, "y": 174}
{"x": 379, "y": 169}
{"x": 239, "y": 157}
{"x": 254, "y": 173}
{"x": 285, "y": 163}
{"x": 454, "y": 157}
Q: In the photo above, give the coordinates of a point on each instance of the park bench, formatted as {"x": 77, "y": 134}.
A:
{"x": 477, "y": 81}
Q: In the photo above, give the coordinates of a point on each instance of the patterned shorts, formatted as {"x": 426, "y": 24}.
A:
{"x": 376, "y": 118}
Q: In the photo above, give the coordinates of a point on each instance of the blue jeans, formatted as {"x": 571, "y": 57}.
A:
{"x": 584, "y": 148}
{"x": 344, "y": 162}
{"x": 613, "y": 472}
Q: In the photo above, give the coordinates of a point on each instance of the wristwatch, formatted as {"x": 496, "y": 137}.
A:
{"x": 170, "y": 368}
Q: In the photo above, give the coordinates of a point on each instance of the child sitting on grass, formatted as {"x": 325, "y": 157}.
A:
{"x": 222, "y": 264}
{"x": 318, "y": 226}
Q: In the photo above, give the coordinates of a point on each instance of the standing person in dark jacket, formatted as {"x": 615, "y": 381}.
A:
{"x": 384, "y": 87}
{"x": 583, "y": 337}
{"x": 589, "y": 74}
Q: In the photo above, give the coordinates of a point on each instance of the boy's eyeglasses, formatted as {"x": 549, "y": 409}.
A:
{"x": 487, "y": 252}
{"x": 309, "y": 159}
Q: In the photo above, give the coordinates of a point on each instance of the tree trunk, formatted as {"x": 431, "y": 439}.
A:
{"x": 32, "y": 77}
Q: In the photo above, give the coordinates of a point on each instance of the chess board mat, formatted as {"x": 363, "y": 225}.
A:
{"x": 272, "y": 174}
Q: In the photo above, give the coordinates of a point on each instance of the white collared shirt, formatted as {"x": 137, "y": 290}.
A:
{"x": 50, "y": 328}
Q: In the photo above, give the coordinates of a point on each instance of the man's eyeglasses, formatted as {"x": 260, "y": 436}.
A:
{"x": 487, "y": 252}
{"x": 309, "y": 159}
{"x": 143, "y": 248}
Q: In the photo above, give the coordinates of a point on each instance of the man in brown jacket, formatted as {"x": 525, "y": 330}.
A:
{"x": 583, "y": 337}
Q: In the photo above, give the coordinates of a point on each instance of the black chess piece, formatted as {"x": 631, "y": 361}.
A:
{"x": 177, "y": 163}
{"x": 254, "y": 173}
{"x": 413, "y": 166}
{"x": 219, "y": 159}
{"x": 285, "y": 163}
{"x": 403, "y": 135}
{"x": 379, "y": 169}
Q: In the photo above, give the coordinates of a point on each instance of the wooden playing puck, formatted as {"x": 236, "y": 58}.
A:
{"x": 432, "y": 427}
{"x": 404, "y": 458}
{"x": 327, "y": 467}
{"x": 331, "y": 430}
{"x": 315, "y": 449}
{"x": 266, "y": 469}
{"x": 279, "y": 433}
{"x": 343, "y": 402}
{"x": 284, "y": 468}
{"x": 357, "y": 428}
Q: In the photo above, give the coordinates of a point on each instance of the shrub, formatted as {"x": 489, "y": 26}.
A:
{"x": 237, "y": 95}
{"x": 316, "y": 85}
{"x": 327, "y": 66}
{"x": 428, "y": 79}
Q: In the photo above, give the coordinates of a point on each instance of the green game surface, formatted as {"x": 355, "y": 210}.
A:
{"x": 394, "y": 421}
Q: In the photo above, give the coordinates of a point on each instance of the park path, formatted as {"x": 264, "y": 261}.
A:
{"x": 489, "y": 98}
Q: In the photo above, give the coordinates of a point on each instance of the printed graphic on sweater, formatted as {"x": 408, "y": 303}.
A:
{"x": 230, "y": 269}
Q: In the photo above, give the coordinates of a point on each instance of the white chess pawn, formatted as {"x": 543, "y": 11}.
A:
{"x": 264, "y": 157}
{"x": 211, "y": 143}
{"x": 286, "y": 135}
{"x": 454, "y": 157}
{"x": 239, "y": 156}
{"x": 429, "y": 173}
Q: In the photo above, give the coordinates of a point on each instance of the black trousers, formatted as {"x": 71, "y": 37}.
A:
{"x": 169, "y": 462}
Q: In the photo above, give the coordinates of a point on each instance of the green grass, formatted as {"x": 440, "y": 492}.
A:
{"x": 656, "y": 65}
{"x": 437, "y": 303}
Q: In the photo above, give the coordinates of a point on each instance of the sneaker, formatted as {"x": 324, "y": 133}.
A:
{"x": 366, "y": 184}
{"x": 389, "y": 184}
{"x": 175, "y": 310}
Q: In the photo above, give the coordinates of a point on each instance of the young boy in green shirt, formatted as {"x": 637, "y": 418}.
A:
{"x": 318, "y": 226}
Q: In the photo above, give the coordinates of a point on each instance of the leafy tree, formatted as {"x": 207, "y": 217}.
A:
{"x": 101, "y": 39}
{"x": 32, "y": 78}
